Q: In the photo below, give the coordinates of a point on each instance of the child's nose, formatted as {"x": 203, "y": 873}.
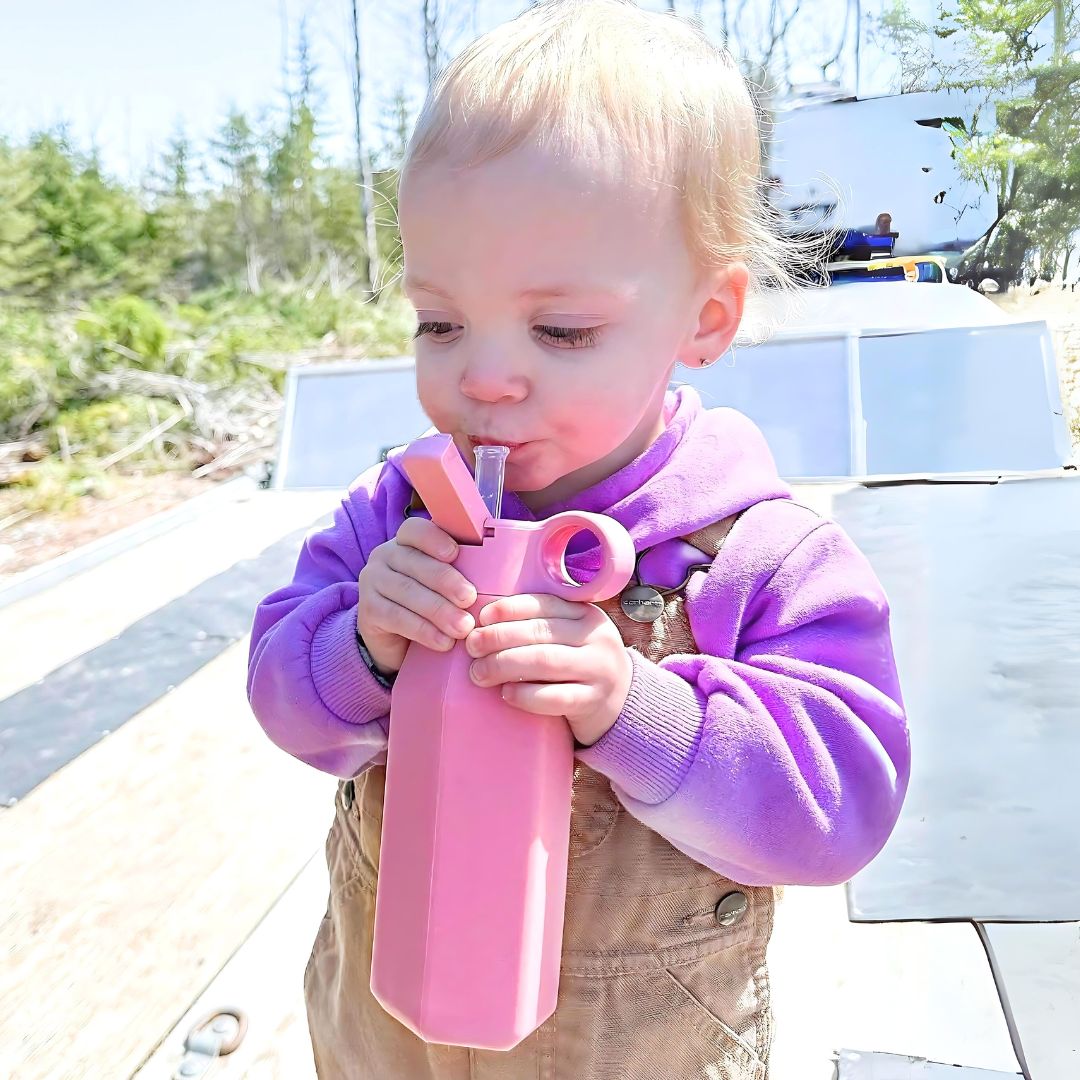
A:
{"x": 493, "y": 379}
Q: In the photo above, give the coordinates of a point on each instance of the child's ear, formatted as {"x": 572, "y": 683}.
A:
{"x": 719, "y": 317}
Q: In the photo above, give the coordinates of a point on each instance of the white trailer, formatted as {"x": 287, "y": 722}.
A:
{"x": 843, "y": 162}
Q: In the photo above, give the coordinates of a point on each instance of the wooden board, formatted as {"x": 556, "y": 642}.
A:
{"x": 129, "y": 878}
{"x": 264, "y": 980}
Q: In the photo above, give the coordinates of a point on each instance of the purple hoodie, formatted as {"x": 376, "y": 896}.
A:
{"x": 777, "y": 755}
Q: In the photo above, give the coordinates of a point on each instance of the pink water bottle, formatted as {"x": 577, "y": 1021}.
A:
{"x": 476, "y": 819}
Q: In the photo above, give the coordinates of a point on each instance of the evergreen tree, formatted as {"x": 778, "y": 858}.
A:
{"x": 234, "y": 226}
{"x": 24, "y": 248}
{"x": 170, "y": 191}
{"x": 294, "y": 169}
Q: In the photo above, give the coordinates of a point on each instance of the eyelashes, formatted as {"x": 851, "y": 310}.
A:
{"x": 563, "y": 337}
{"x": 433, "y": 328}
{"x": 574, "y": 337}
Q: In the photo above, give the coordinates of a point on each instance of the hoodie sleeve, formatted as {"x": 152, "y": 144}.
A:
{"x": 307, "y": 684}
{"x": 784, "y": 759}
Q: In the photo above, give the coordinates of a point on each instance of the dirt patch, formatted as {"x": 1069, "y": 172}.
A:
{"x": 1061, "y": 311}
{"x": 26, "y": 541}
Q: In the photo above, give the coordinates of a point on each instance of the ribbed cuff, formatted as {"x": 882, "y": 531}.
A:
{"x": 342, "y": 679}
{"x": 652, "y": 744}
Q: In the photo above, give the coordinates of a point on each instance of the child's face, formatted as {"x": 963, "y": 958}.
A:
{"x": 553, "y": 303}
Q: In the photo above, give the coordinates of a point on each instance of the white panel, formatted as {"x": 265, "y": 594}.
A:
{"x": 797, "y": 395}
{"x": 901, "y": 988}
{"x": 854, "y": 1065}
{"x": 961, "y": 400}
{"x": 949, "y": 400}
{"x": 984, "y": 583}
{"x": 340, "y": 417}
{"x": 1038, "y": 972}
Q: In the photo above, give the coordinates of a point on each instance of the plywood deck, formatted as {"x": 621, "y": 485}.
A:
{"x": 265, "y": 980}
{"x": 130, "y": 877}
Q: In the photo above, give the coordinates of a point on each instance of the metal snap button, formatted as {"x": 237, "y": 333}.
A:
{"x": 731, "y": 908}
{"x": 348, "y": 794}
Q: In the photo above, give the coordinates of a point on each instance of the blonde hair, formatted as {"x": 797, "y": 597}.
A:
{"x": 604, "y": 80}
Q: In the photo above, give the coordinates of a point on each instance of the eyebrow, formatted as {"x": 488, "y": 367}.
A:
{"x": 423, "y": 286}
{"x": 547, "y": 292}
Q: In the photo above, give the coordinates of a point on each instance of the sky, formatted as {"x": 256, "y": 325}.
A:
{"x": 124, "y": 75}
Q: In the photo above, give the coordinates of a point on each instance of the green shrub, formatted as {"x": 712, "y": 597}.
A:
{"x": 28, "y": 390}
{"x": 129, "y": 322}
{"x": 104, "y": 427}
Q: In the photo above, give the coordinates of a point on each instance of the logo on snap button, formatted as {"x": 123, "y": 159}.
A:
{"x": 731, "y": 908}
{"x": 642, "y": 603}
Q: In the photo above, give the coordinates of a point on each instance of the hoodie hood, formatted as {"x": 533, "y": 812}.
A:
{"x": 706, "y": 465}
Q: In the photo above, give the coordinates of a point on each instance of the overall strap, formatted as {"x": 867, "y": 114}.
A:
{"x": 711, "y": 538}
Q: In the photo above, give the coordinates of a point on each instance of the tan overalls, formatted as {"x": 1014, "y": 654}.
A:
{"x": 663, "y": 968}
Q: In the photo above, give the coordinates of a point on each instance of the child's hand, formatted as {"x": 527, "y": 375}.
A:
{"x": 553, "y": 657}
{"x": 409, "y": 592}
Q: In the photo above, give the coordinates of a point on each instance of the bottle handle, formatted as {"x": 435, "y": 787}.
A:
{"x": 617, "y": 555}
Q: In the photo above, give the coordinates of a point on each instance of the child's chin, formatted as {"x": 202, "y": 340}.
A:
{"x": 524, "y": 481}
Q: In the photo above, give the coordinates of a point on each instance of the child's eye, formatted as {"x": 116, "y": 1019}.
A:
{"x": 435, "y": 329}
{"x": 569, "y": 337}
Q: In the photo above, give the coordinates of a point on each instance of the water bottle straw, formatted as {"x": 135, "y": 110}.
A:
{"x": 490, "y": 467}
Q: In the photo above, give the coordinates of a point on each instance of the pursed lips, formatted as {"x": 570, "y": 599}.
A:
{"x": 478, "y": 441}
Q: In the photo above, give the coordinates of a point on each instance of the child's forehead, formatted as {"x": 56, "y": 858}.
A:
{"x": 533, "y": 201}
{"x": 537, "y": 172}
{"x": 604, "y": 291}
{"x": 535, "y": 223}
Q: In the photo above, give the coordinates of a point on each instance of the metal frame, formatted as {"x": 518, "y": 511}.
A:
{"x": 292, "y": 379}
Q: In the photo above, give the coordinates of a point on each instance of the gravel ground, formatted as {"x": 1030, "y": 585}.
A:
{"x": 27, "y": 541}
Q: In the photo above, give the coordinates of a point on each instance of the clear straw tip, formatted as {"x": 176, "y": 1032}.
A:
{"x": 490, "y": 468}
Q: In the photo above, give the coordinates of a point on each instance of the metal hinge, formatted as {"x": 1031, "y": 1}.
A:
{"x": 211, "y": 1038}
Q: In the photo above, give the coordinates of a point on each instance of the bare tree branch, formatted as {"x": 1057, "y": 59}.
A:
{"x": 432, "y": 27}
{"x": 370, "y": 264}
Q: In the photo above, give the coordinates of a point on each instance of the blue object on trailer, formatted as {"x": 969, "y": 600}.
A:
{"x": 839, "y": 274}
{"x": 861, "y": 246}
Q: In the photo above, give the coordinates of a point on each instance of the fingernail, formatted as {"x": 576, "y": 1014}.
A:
{"x": 476, "y": 672}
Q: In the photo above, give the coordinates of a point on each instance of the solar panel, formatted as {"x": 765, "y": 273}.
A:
{"x": 339, "y": 419}
{"x": 868, "y": 381}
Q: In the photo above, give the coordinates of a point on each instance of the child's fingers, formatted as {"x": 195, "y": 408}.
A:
{"x": 511, "y": 635}
{"x": 532, "y": 663}
{"x": 392, "y": 618}
{"x": 549, "y": 699}
{"x": 412, "y": 595}
{"x": 531, "y": 606}
{"x": 426, "y": 536}
{"x": 437, "y": 576}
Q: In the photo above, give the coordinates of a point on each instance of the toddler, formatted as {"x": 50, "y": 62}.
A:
{"x": 581, "y": 210}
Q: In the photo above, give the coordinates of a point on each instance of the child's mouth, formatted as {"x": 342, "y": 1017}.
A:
{"x": 477, "y": 441}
